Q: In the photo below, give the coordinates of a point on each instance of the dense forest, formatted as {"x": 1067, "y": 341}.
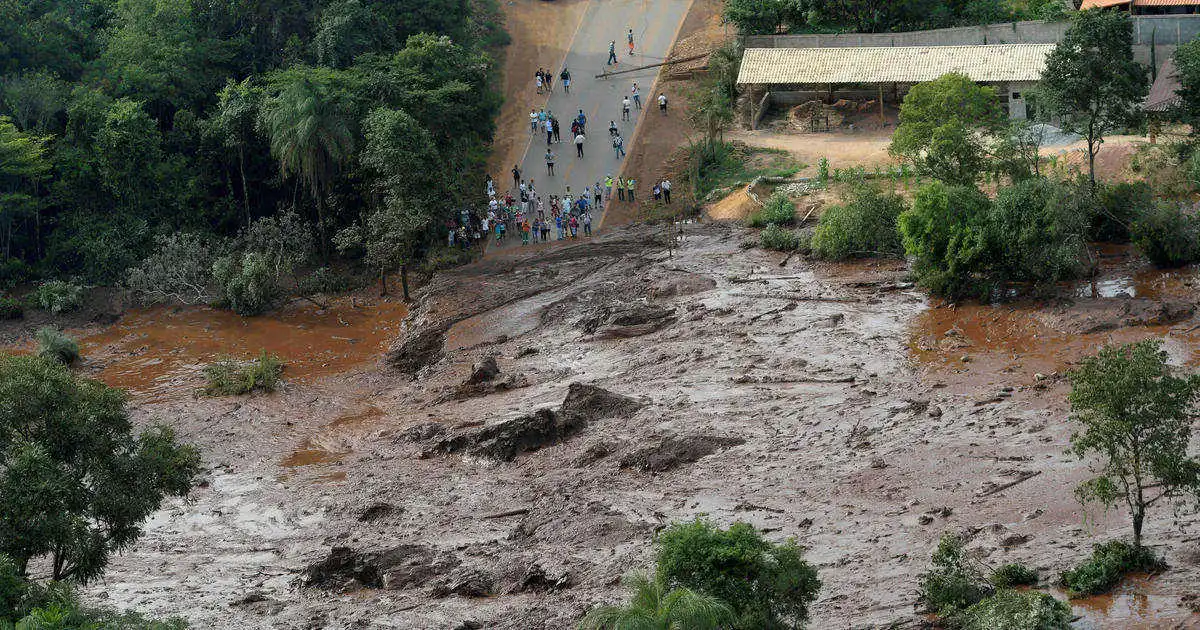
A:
{"x": 202, "y": 131}
{"x": 759, "y": 17}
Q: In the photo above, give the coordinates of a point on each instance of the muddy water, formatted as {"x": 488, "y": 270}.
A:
{"x": 158, "y": 353}
{"x": 1137, "y": 604}
{"x": 334, "y": 441}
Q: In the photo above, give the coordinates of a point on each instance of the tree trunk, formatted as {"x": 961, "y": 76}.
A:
{"x": 1139, "y": 515}
{"x": 245, "y": 193}
{"x": 382, "y": 281}
{"x": 404, "y": 281}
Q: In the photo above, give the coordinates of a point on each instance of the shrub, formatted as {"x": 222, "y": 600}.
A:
{"x": 954, "y": 581}
{"x": 1108, "y": 563}
{"x": 11, "y": 308}
{"x": 1037, "y": 232}
{"x": 1013, "y": 610}
{"x": 779, "y": 239}
{"x": 229, "y": 377}
{"x": 180, "y": 269}
{"x": 945, "y": 231}
{"x": 57, "y": 296}
{"x": 778, "y": 210}
{"x": 1117, "y": 207}
{"x": 55, "y": 345}
{"x": 768, "y": 585}
{"x": 1167, "y": 236}
{"x": 13, "y": 590}
{"x": 865, "y": 226}
{"x": 14, "y": 271}
{"x": 324, "y": 280}
{"x": 246, "y": 282}
{"x": 1014, "y": 574}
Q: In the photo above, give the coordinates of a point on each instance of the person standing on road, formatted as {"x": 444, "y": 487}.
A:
{"x": 555, "y": 128}
{"x": 629, "y": 184}
{"x": 539, "y": 81}
{"x": 565, "y": 76}
{"x": 637, "y": 96}
{"x": 608, "y": 184}
{"x": 619, "y": 147}
{"x": 662, "y": 103}
{"x": 666, "y": 189}
{"x": 629, "y": 38}
{"x": 612, "y": 128}
{"x": 587, "y": 223}
{"x": 516, "y": 176}
{"x": 579, "y": 144}
{"x": 533, "y": 121}
{"x": 549, "y": 82}
{"x": 620, "y": 188}
{"x": 582, "y": 120}
{"x": 549, "y": 131}
{"x": 612, "y": 53}
{"x": 597, "y": 196}
{"x": 549, "y": 163}
{"x": 624, "y": 109}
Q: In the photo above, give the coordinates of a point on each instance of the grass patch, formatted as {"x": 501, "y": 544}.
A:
{"x": 730, "y": 164}
{"x": 1108, "y": 563}
{"x": 55, "y": 345}
{"x": 230, "y": 377}
{"x": 1014, "y": 574}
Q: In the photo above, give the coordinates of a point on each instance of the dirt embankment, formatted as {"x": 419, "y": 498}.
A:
{"x": 642, "y": 388}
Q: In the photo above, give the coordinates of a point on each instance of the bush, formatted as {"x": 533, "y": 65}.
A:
{"x": 57, "y": 296}
{"x": 1013, "y": 610}
{"x": 1116, "y": 208}
{"x": 14, "y": 271}
{"x": 865, "y": 226}
{"x": 779, "y": 239}
{"x": 246, "y": 283}
{"x": 768, "y": 585}
{"x": 778, "y": 210}
{"x": 11, "y": 308}
{"x": 55, "y": 345}
{"x": 1109, "y": 562}
{"x": 1037, "y": 232}
{"x": 945, "y": 231}
{"x": 229, "y": 377}
{"x": 1014, "y": 574}
{"x": 324, "y": 280}
{"x": 954, "y": 581}
{"x": 28, "y": 606}
{"x": 180, "y": 270}
{"x": 1167, "y": 236}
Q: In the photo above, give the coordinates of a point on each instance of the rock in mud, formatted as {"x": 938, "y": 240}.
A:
{"x": 424, "y": 431}
{"x": 680, "y": 284}
{"x": 672, "y": 452}
{"x": 627, "y": 321}
{"x": 401, "y": 567}
{"x": 505, "y": 440}
{"x": 420, "y": 348}
{"x": 258, "y": 603}
{"x": 484, "y": 371}
{"x": 536, "y": 579}
{"x": 595, "y": 452}
{"x": 1087, "y": 316}
{"x": 588, "y": 402}
{"x": 468, "y": 583}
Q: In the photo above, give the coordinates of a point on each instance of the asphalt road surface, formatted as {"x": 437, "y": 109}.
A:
{"x": 655, "y": 24}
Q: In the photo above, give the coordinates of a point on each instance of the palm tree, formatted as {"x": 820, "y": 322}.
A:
{"x": 653, "y": 607}
{"x": 310, "y": 131}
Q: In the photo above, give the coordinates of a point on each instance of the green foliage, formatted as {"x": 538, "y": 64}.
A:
{"x": 1167, "y": 235}
{"x": 768, "y": 585}
{"x": 765, "y": 17}
{"x": 946, "y": 232}
{"x": 779, "y": 239}
{"x": 27, "y": 605}
{"x": 245, "y": 283}
{"x": 863, "y": 226}
{"x": 823, "y": 172}
{"x": 11, "y": 308}
{"x": 14, "y": 271}
{"x": 1187, "y": 68}
{"x": 57, "y": 296}
{"x": 1117, "y": 207}
{"x": 56, "y": 345}
{"x": 230, "y": 377}
{"x": 1014, "y": 574}
{"x": 1108, "y": 563}
{"x": 1037, "y": 232}
{"x": 75, "y": 482}
{"x": 179, "y": 270}
{"x": 1091, "y": 83}
{"x": 778, "y": 210}
{"x": 1136, "y": 418}
{"x": 1015, "y": 610}
{"x": 653, "y": 606}
{"x": 954, "y": 581}
{"x": 946, "y": 126}
{"x": 731, "y": 164}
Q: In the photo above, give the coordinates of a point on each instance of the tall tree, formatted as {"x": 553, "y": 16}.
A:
{"x": 1091, "y": 82}
{"x": 1137, "y": 418}
{"x": 75, "y": 482}
{"x": 308, "y": 118}
{"x": 22, "y": 163}
{"x": 764, "y": 17}
{"x": 1187, "y": 65}
{"x": 233, "y": 122}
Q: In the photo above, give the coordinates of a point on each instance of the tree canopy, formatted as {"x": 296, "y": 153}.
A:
{"x": 947, "y": 127}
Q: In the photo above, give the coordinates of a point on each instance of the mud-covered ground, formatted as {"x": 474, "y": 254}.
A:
{"x": 826, "y": 403}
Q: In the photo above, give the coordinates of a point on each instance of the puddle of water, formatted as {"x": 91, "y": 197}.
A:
{"x": 334, "y": 441}
{"x": 1136, "y": 604}
{"x": 157, "y": 353}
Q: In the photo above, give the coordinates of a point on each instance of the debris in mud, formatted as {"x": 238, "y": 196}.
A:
{"x": 627, "y": 321}
{"x": 377, "y": 511}
{"x": 401, "y": 567}
{"x": 672, "y": 452}
{"x": 468, "y": 583}
{"x": 1087, "y": 316}
{"x": 535, "y": 579}
{"x": 483, "y": 382}
{"x": 680, "y": 284}
{"x": 589, "y": 402}
{"x": 424, "y": 431}
{"x": 484, "y": 371}
{"x": 505, "y": 440}
{"x": 258, "y": 603}
{"x": 419, "y": 349}
{"x": 596, "y": 452}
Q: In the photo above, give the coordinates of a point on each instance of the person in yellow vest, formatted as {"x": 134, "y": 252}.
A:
{"x": 608, "y": 184}
{"x": 629, "y": 184}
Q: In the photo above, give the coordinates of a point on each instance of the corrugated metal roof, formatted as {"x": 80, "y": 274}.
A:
{"x": 1163, "y": 94}
{"x": 1166, "y": 3}
{"x": 1100, "y": 4}
{"x": 899, "y": 64}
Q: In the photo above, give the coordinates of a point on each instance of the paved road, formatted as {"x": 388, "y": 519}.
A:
{"x": 655, "y": 24}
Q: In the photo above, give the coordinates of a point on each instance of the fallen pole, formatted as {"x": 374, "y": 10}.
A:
{"x": 606, "y": 74}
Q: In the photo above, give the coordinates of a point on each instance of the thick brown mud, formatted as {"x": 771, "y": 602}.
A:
{"x": 1136, "y": 604}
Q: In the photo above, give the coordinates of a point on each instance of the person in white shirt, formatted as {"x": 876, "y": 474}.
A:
{"x": 579, "y": 145}
{"x": 662, "y": 103}
{"x": 666, "y": 190}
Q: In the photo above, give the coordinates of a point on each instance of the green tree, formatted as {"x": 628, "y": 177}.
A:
{"x": 308, "y": 118}
{"x": 75, "y": 482}
{"x": 1037, "y": 230}
{"x": 863, "y": 226}
{"x": 947, "y": 127}
{"x": 233, "y": 123}
{"x": 348, "y": 29}
{"x": 764, "y": 17}
{"x": 1187, "y": 68}
{"x": 34, "y": 98}
{"x": 768, "y": 585}
{"x": 654, "y": 607}
{"x": 946, "y": 232}
{"x": 23, "y": 163}
{"x": 1091, "y": 82}
{"x": 1136, "y": 417}
{"x": 129, "y": 156}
